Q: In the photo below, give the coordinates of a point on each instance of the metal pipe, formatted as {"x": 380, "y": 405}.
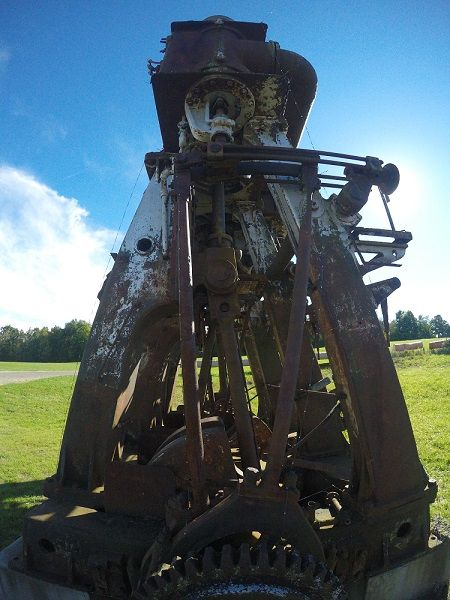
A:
{"x": 271, "y": 165}
{"x": 295, "y": 182}
{"x": 286, "y": 395}
{"x": 205, "y": 369}
{"x": 194, "y": 437}
{"x": 385, "y": 199}
{"x": 242, "y": 417}
{"x": 275, "y": 165}
{"x": 331, "y": 185}
{"x": 164, "y": 198}
{"x": 296, "y": 152}
{"x": 336, "y": 177}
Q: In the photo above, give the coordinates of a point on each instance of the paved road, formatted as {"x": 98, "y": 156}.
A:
{"x": 22, "y": 376}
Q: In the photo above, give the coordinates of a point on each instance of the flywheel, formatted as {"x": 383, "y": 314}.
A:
{"x": 242, "y": 573}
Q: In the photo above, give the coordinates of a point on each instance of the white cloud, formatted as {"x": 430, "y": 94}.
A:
{"x": 52, "y": 261}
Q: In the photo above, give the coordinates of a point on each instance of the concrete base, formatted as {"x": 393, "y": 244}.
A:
{"x": 15, "y": 585}
{"x": 425, "y": 577}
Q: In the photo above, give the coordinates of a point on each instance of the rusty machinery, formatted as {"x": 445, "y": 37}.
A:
{"x": 261, "y": 479}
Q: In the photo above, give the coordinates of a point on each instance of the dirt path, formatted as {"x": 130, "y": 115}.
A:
{"x": 22, "y": 376}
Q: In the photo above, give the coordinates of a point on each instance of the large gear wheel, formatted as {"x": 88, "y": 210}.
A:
{"x": 243, "y": 573}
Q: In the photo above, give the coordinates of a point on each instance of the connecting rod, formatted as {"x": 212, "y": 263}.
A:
{"x": 194, "y": 438}
{"x": 292, "y": 357}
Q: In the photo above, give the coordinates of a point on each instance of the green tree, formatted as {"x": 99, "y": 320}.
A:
{"x": 36, "y": 346}
{"x": 393, "y": 330}
{"x": 75, "y": 335}
{"x": 406, "y": 325}
{"x": 42, "y": 345}
{"x": 11, "y": 342}
{"x": 439, "y": 327}
{"x": 56, "y": 339}
{"x": 423, "y": 326}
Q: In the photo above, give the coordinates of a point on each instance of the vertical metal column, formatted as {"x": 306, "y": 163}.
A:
{"x": 228, "y": 343}
{"x": 194, "y": 438}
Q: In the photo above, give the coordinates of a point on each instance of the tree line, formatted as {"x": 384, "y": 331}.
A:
{"x": 406, "y": 326}
{"x": 66, "y": 344}
{"x": 58, "y": 344}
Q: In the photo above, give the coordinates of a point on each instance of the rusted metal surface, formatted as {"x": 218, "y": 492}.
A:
{"x": 191, "y": 399}
{"x": 217, "y": 462}
{"x": 138, "y": 490}
{"x": 158, "y": 462}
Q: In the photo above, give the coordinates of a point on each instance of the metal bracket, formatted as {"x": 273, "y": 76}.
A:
{"x": 386, "y": 253}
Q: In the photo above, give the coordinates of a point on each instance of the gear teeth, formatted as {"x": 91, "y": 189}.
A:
{"x": 227, "y": 558}
{"x": 263, "y": 556}
{"x": 245, "y": 560}
{"x": 197, "y": 577}
{"x": 209, "y": 560}
{"x": 279, "y": 562}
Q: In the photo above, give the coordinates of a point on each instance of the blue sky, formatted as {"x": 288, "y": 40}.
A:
{"x": 77, "y": 116}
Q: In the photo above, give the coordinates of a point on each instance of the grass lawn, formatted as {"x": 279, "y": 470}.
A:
{"x": 32, "y": 417}
{"x": 36, "y": 366}
{"x": 425, "y": 379}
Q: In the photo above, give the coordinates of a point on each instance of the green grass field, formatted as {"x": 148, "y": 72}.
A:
{"x": 36, "y": 366}
{"x": 32, "y": 417}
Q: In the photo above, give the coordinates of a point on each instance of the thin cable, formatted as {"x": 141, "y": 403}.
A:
{"x": 309, "y": 135}
{"x": 309, "y": 434}
{"x": 109, "y": 261}
{"x": 123, "y": 218}
{"x": 77, "y": 367}
{"x": 286, "y": 76}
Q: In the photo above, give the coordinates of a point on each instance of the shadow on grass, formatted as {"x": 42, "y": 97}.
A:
{"x": 16, "y": 499}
